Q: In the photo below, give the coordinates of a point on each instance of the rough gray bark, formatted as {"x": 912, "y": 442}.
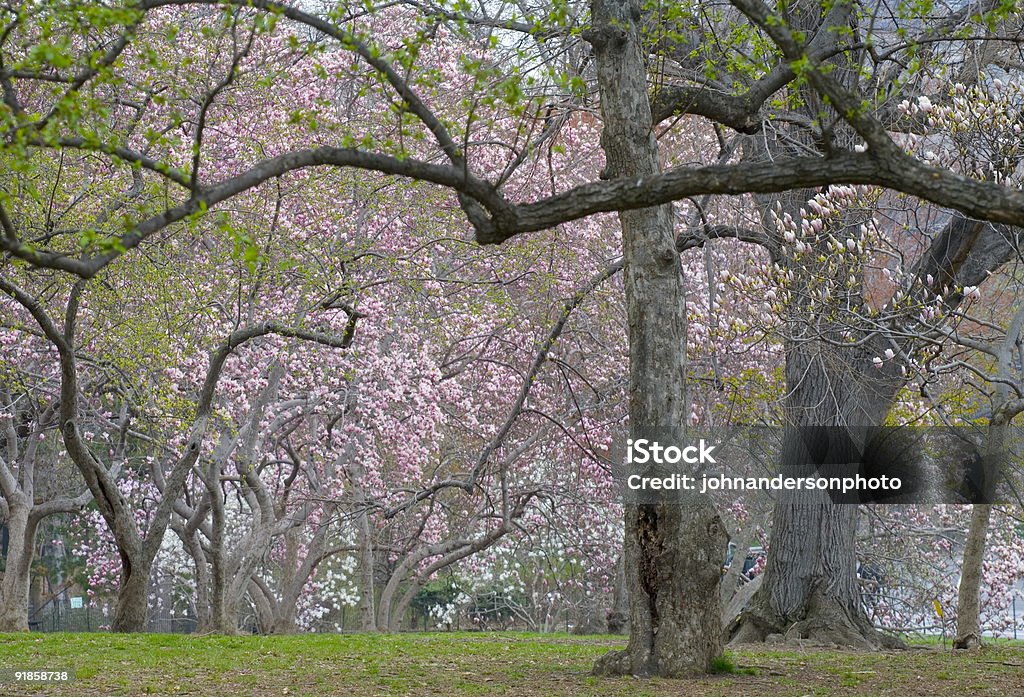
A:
{"x": 672, "y": 552}
{"x": 813, "y": 594}
{"x": 810, "y": 588}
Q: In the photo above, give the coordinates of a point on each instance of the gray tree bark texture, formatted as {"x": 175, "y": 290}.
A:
{"x": 673, "y": 552}
{"x": 810, "y": 589}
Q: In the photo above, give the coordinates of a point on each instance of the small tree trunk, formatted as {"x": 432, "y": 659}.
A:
{"x": 367, "y": 614}
{"x": 387, "y": 595}
{"x": 968, "y": 609}
{"x": 266, "y": 608}
{"x": 190, "y": 540}
{"x": 402, "y": 607}
{"x": 14, "y": 589}
{"x": 968, "y": 614}
{"x": 619, "y": 614}
{"x": 364, "y": 531}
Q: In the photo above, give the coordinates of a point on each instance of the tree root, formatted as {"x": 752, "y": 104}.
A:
{"x": 613, "y": 664}
{"x": 968, "y": 642}
{"x": 824, "y": 623}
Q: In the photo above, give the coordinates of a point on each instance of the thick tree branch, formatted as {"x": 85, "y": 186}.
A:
{"x": 698, "y": 236}
{"x": 88, "y": 266}
{"x": 898, "y": 172}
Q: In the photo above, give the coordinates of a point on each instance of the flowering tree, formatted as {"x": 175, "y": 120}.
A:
{"x": 104, "y": 83}
{"x": 34, "y": 481}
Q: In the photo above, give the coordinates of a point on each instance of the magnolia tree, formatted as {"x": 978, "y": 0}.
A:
{"x": 377, "y": 432}
{"x": 36, "y": 479}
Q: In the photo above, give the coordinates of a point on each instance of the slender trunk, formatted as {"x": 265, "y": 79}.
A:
{"x": 14, "y": 589}
{"x": 398, "y": 614}
{"x": 968, "y": 612}
{"x": 364, "y": 532}
{"x": 672, "y": 552}
{"x": 968, "y": 609}
{"x": 387, "y": 595}
{"x": 265, "y": 607}
{"x": 367, "y": 615}
{"x": 191, "y": 541}
{"x": 292, "y": 582}
{"x": 619, "y": 614}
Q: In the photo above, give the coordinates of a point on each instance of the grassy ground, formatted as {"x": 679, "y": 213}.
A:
{"x": 472, "y": 664}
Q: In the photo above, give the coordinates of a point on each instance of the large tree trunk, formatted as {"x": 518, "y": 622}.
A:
{"x": 673, "y": 551}
{"x": 14, "y": 589}
{"x": 810, "y": 588}
{"x": 812, "y": 592}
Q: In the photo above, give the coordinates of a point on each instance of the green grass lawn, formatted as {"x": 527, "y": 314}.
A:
{"x": 363, "y": 665}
